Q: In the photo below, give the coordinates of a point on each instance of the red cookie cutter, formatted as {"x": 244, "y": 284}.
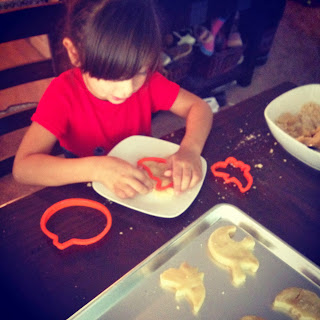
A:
{"x": 245, "y": 168}
{"x": 159, "y": 185}
{"x": 72, "y": 203}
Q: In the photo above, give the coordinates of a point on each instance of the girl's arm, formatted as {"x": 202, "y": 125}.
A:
{"x": 34, "y": 165}
{"x": 186, "y": 163}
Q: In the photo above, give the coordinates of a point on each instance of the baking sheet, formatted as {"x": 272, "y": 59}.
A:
{"x": 133, "y": 149}
{"x": 138, "y": 294}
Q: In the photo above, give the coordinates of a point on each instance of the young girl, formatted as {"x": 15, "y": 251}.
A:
{"x": 110, "y": 94}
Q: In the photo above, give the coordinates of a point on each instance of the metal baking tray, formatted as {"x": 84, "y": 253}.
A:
{"x": 138, "y": 294}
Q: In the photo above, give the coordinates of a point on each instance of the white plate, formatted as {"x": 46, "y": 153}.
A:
{"x": 292, "y": 101}
{"x": 136, "y": 147}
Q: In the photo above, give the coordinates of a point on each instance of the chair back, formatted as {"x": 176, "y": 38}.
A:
{"x": 21, "y": 23}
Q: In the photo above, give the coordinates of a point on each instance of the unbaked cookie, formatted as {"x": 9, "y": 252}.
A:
{"x": 187, "y": 283}
{"x": 156, "y": 168}
{"x": 298, "y": 303}
{"x": 235, "y": 256}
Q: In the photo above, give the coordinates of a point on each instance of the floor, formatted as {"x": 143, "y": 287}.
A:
{"x": 295, "y": 57}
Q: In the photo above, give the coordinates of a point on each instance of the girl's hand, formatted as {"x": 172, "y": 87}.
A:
{"x": 122, "y": 178}
{"x": 185, "y": 168}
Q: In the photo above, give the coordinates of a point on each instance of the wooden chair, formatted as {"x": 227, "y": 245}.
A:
{"x": 19, "y": 24}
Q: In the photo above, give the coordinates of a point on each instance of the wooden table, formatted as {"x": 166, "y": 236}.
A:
{"x": 41, "y": 282}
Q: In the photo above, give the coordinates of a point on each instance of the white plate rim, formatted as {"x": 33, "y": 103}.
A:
{"x": 165, "y": 209}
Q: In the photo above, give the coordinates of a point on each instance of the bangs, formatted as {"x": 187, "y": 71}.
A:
{"x": 118, "y": 46}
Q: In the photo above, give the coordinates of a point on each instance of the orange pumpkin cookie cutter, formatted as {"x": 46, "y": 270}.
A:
{"x": 245, "y": 169}
{"x": 72, "y": 203}
{"x": 159, "y": 185}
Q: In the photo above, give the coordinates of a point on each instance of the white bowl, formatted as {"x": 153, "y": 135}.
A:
{"x": 292, "y": 101}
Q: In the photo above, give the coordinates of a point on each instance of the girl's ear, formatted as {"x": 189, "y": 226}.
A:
{"x": 72, "y": 52}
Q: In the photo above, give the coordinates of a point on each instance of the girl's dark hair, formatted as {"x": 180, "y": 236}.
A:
{"x": 115, "y": 39}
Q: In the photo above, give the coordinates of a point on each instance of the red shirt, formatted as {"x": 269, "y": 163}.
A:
{"x": 81, "y": 122}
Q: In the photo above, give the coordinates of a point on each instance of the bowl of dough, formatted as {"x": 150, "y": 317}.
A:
{"x": 294, "y": 120}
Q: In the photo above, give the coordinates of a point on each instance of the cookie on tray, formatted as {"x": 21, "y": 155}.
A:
{"x": 298, "y": 303}
{"x": 187, "y": 283}
{"x": 233, "y": 255}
